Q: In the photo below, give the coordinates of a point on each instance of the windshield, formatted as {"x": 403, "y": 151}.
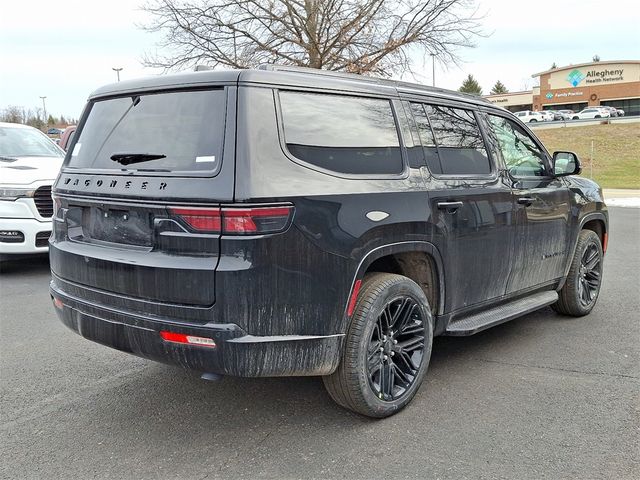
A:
{"x": 169, "y": 132}
{"x": 26, "y": 142}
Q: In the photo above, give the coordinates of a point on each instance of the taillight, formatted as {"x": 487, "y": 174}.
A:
{"x": 200, "y": 219}
{"x": 236, "y": 221}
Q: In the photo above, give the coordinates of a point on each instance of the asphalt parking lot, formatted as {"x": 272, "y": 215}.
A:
{"x": 544, "y": 396}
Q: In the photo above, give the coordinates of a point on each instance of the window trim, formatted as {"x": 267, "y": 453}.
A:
{"x": 535, "y": 140}
{"x": 494, "y": 172}
{"x": 366, "y": 176}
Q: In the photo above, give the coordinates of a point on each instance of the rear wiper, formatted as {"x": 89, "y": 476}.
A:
{"x": 129, "y": 158}
{"x": 4, "y": 158}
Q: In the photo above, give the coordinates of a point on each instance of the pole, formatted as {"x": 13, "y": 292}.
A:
{"x": 433, "y": 68}
{"x": 591, "y": 162}
{"x": 44, "y": 109}
{"x": 117, "y": 70}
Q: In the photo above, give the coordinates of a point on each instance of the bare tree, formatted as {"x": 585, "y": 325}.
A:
{"x": 380, "y": 37}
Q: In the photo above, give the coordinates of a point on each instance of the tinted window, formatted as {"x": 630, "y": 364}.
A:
{"x": 460, "y": 143}
{"x": 343, "y": 134}
{"x": 426, "y": 137}
{"x": 523, "y": 158}
{"x": 186, "y": 127}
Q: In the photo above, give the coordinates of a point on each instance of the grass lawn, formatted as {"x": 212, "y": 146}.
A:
{"x": 616, "y": 151}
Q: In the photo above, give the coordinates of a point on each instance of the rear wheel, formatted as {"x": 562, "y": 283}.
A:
{"x": 533, "y": 120}
{"x": 597, "y": 116}
{"x": 388, "y": 347}
{"x": 580, "y": 291}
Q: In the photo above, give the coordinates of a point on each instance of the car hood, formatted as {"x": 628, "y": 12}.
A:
{"x": 26, "y": 170}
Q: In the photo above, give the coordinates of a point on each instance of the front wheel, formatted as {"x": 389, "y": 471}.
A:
{"x": 580, "y": 292}
{"x": 533, "y": 120}
{"x": 387, "y": 347}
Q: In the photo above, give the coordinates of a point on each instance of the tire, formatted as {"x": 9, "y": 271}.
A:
{"x": 597, "y": 116}
{"x": 533, "y": 120}
{"x": 379, "y": 383}
{"x": 575, "y": 118}
{"x": 580, "y": 292}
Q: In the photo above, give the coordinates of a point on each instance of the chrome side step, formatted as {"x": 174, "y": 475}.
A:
{"x": 476, "y": 322}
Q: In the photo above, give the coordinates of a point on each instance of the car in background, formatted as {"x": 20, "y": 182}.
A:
{"x": 566, "y": 114}
{"x": 547, "y": 115}
{"x": 528, "y": 116}
{"x": 55, "y": 131}
{"x": 67, "y": 136}
{"x": 29, "y": 164}
{"x": 591, "y": 112}
{"x": 620, "y": 112}
{"x": 612, "y": 111}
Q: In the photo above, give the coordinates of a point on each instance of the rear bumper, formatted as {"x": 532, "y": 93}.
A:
{"x": 236, "y": 353}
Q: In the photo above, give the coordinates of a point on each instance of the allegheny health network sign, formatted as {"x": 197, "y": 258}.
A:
{"x": 594, "y": 75}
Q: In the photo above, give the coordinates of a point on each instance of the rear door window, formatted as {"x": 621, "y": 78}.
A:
{"x": 460, "y": 144}
{"x": 186, "y": 128}
{"x": 351, "y": 135}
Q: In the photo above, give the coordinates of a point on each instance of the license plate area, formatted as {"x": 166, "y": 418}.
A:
{"x": 111, "y": 225}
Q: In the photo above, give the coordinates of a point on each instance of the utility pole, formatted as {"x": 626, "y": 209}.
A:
{"x": 117, "y": 70}
{"x": 44, "y": 110}
{"x": 433, "y": 68}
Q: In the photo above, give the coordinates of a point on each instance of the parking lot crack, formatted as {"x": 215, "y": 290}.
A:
{"x": 567, "y": 370}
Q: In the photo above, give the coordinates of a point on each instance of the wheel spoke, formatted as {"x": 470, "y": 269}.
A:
{"x": 411, "y": 344}
{"x": 398, "y": 314}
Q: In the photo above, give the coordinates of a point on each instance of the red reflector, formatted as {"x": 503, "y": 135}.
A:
{"x": 605, "y": 242}
{"x": 58, "y": 303}
{"x": 354, "y": 297}
{"x": 201, "y": 219}
{"x": 188, "y": 339}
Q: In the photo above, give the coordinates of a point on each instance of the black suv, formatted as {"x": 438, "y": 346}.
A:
{"x": 283, "y": 221}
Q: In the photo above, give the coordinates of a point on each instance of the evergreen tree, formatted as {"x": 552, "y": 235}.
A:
{"x": 499, "y": 88}
{"x": 554, "y": 66}
{"x": 596, "y": 58}
{"x": 471, "y": 85}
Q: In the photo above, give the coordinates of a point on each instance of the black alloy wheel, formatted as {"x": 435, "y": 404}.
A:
{"x": 590, "y": 275}
{"x": 387, "y": 347}
{"x": 580, "y": 291}
{"x": 396, "y": 348}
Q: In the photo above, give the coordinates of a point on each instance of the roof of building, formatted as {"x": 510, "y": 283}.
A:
{"x": 580, "y": 65}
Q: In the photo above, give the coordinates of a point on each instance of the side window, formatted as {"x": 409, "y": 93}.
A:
{"x": 352, "y": 135}
{"x": 522, "y": 156}
{"x": 460, "y": 143}
{"x": 426, "y": 138}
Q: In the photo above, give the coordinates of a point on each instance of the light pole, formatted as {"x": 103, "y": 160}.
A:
{"x": 433, "y": 68}
{"x": 117, "y": 70}
{"x": 44, "y": 110}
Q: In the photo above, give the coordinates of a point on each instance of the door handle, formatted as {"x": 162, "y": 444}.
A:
{"x": 526, "y": 201}
{"x": 450, "y": 207}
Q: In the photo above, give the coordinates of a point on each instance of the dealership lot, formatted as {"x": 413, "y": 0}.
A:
{"x": 540, "y": 397}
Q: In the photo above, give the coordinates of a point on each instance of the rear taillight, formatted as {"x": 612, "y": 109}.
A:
{"x": 236, "y": 221}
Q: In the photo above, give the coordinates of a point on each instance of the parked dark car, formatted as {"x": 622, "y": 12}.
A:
{"x": 281, "y": 221}
{"x": 67, "y": 136}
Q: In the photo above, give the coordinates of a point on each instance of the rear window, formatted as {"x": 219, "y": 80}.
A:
{"x": 351, "y": 135}
{"x": 186, "y": 127}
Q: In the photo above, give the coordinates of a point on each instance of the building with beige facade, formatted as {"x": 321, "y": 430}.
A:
{"x": 574, "y": 87}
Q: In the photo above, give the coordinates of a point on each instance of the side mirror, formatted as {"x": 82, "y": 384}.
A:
{"x": 566, "y": 163}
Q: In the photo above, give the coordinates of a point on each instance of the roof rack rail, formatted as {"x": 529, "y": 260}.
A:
{"x": 364, "y": 78}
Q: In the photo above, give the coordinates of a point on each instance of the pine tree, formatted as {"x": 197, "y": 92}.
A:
{"x": 499, "y": 88}
{"x": 596, "y": 58}
{"x": 471, "y": 85}
{"x": 554, "y": 66}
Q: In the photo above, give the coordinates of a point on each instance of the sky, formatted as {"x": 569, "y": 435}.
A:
{"x": 65, "y": 50}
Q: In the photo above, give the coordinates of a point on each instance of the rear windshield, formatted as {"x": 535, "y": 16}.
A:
{"x": 186, "y": 128}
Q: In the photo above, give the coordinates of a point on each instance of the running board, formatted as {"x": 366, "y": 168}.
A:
{"x": 477, "y": 322}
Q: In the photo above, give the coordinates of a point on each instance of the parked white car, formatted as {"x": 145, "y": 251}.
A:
{"x": 528, "y": 116}
{"x": 591, "y": 112}
{"x": 29, "y": 163}
{"x": 547, "y": 115}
